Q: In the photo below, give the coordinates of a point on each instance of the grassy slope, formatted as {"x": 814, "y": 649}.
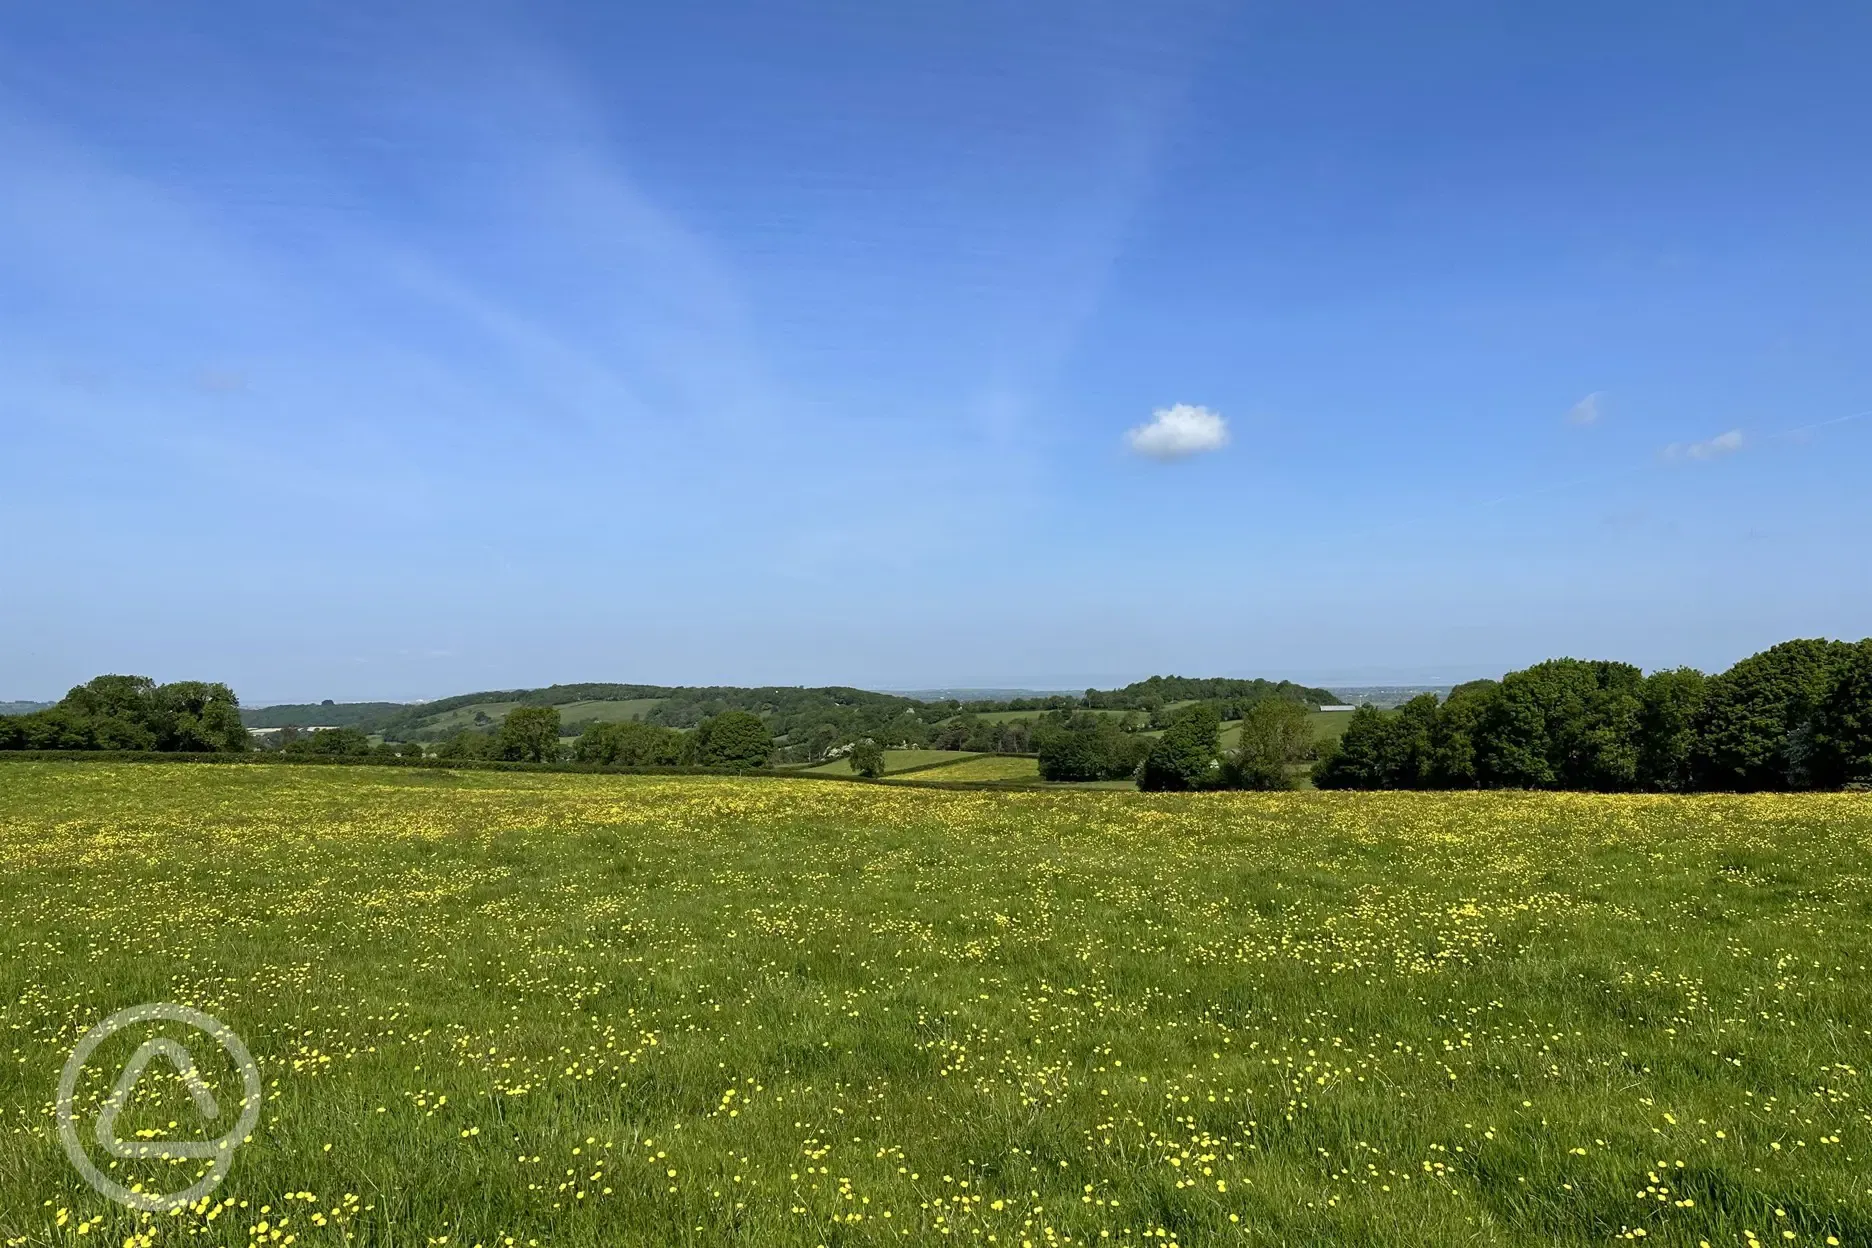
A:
{"x": 983, "y": 768}
{"x": 772, "y": 1012}
{"x": 1327, "y": 726}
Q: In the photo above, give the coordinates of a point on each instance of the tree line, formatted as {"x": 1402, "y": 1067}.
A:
{"x": 1796, "y": 716}
{"x": 132, "y": 713}
{"x": 531, "y": 734}
{"x": 1276, "y": 735}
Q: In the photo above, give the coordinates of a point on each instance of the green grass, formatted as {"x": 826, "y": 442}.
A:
{"x": 1327, "y": 726}
{"x": 596, "y": 1010}
{"x": 989, "y": 767}
{"x": 576, "y": 715}
{"x": 897, "y": 760}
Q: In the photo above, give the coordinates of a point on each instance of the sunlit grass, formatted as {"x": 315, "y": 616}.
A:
{"x": 501, "y": 1008}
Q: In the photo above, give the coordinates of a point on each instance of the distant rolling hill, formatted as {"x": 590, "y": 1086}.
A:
{"x": 799, "y": 717}
{"x": 22, "y": 708}
{"x": 318, "y": 714}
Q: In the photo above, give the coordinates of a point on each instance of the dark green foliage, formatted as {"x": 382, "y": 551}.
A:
{"x": 1085, "y": 746}
{"x": 1837, "y": 748}
{"x": 867, "y": 758}
{"x": 1185, "y": 757}
{"x": 466, "y": 745}
{"x": 968, "y": 732}
{"x": 1275, "y": 733}
{"x": 1752, "y": 712}
{"x": 731, "y": 739}
{"x": 1382, "y": 751}
{"x": 1793, "y": 717}
{"x": 1670, "y": 702}
{"x": 1565, "y": 723}
{"x": 340, "y": 741}
{"x": 530, "y": 734}
{"x": 1147, "y": 695}
{"x": 1453, "y": 736}
{"x": 133, "y": 713}
{"x": 629, "y": 744}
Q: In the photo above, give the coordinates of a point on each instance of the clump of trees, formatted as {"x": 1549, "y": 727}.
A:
{"x": 1232, "y": 697}
{"x": 1086, "y": 746}
{"x": 1188, "y": 754}
{"x": 738, "y": 739}
{"x": 133, "y": 713}
{"x": 1795, "y": 716}
{"x": 867, "y": 758}
{"x": 629, "y": 744}
{"x": 968, "y": 731}
{"x": 731, "y": 739}
{"x": 1275, "y": 735}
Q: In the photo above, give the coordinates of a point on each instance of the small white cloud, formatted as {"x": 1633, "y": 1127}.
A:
{"x": 1179, "y": 432}
{"x": 1588, "y": 410}
{"x": 1718, "y": 446}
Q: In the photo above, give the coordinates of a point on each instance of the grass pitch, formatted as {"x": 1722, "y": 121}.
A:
{"x": 519, "y": 1009}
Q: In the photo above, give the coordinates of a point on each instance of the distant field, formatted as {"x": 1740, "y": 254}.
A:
{"x": 898, "y": 760}
{"x": 579, "y": 1011}
{"x": 1327, "y": 726}
{"x": 983, "y": 768}
{"x": 576, "y": 715}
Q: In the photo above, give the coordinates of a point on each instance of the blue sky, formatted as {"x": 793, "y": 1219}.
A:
{"x": 393, "y": 351}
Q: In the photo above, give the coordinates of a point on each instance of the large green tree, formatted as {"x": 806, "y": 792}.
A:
{"x": 1186, "y": 756}
{"x": 1751, "y": 714}
{"x": 1380, "y": 750}
{"x": 1669, "y": 703}
{"x": 1275, "y": 733}
{"x": 1565, "y": 723}
{"x": 134, "y": 713}
{"x": 1838, "y": 734}
{"x": 867, "y": 758}
{"x": 1454, "y": 734}
{"x": 733, "y": 739}
{"x": 629, "y": 743}
{"x": 530, "y": 734}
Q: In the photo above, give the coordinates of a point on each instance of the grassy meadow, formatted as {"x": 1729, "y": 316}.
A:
{"x": 984, "y": 767}
{"x": 538, "y": 1009}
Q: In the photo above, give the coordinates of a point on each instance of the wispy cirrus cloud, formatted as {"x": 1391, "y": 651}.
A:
{"x": 1714, "y": 448}
{"x": 1588, "y": 410}
{"x": 1179, "y": 432}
